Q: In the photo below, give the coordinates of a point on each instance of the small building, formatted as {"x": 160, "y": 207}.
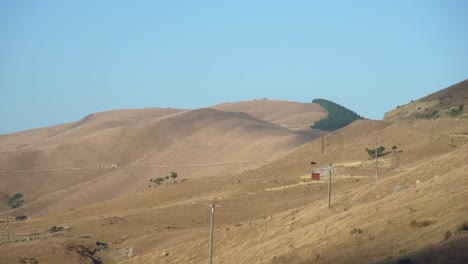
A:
{"x": 315, "y": 175}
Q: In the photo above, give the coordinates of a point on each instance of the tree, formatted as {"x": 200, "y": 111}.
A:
{"x": 380, "y": 151}
{"x": 173, "y": 176}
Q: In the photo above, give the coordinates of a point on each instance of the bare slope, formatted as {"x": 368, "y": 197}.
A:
{"x": 451, "y": 102}
{"x": 88, "y": 125}
{"x": 274, "y": 215}
{"x": 106, "y": 163}
{"x": 292, "y": 115}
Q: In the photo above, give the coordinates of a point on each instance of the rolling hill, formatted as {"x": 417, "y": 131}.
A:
{"x": 450, "y": 102}
{"x": 110, "y": 154}
{"x": 271, "y": 212}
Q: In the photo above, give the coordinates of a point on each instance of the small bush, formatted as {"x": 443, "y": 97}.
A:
{"x": 422, "y": 223}
{"x": 356, "y": 230}
{"x": 456, "y": 112}
{"x": 16, "y": 201}
{"x": 430, "y": 115}
{"x": 21, "y": 218}
{"x": 380, "y": 151}
{"x": 463, "y": 227}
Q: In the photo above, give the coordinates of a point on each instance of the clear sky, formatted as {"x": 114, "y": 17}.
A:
{"x": 61, "y": 60}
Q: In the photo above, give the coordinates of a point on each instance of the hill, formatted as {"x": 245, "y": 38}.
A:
{"x": 450, "y": 102}
{"x": 338, "y": 116}
{"x": 272, "y": 212}
{"x": 291, "y": 115}
{"x": 102, "y": 157}
{"x": 274, "y": 215}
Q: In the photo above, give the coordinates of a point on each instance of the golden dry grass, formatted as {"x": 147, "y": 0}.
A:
{"x": 269, "y": 214}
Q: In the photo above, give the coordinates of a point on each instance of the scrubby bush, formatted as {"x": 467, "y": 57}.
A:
{"x": 456, "y": 111}
{"x": 15, "y": 201}
{"x": 463, "y": 227}
{"x": 356, "y": 230}
{"x": 21, "y": 218}
{"x": 380, "y": 151}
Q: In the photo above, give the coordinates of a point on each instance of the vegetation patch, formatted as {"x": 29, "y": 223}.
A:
{"x": 25, "y": 260}
{"x": 160, "y": 180}
{"x": 15, "y": 201}
{"x": 454, "y": 112}
{"x": 380, "y": 151}
{"x": 21, "y": 218}
{"x": 338, "y": 116}
{"x": 428, "y": 114}
{"x": 463, "y": 227}
{"x": 356, "y": 231}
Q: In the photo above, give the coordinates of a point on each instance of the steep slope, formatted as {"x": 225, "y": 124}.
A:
{"x": 450, "y": 102}
{"x": 291, "y": 115}
{"x": 110, "y": 162}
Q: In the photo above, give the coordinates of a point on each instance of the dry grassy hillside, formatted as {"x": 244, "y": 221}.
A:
{"x": 451, "y": 102}
{"x": 292, "y": 115}
{"x": 111, "y": 154}
{"x": 276, "y": 214}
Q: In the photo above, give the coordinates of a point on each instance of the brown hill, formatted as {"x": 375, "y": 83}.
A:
{"x": 100, "y": 158}
{"x": 292, "y": 115}
{"x": 274, "y": 215}
{"x": 450, "y": 102}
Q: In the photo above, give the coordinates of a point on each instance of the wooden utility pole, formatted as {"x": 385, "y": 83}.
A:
{"x": 213, "y": 206}
{"x": 329, "y": 184}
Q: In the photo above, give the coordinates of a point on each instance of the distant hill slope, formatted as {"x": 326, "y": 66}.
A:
{"x": 451, "y": 102}
{"x": 291, "y": 115}
{"x": 338, "y": 116}
{"x": 104, "y": 156}
{"x": 273, "y": 215}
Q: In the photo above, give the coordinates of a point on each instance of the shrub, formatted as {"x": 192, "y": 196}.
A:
{"x": 174, "y": 176}
{"x": 21, "y": 218}
{"x": 356, "y": 230}
{"x": 456, "y": 112}
{"x": 463, "y": 227}
{"x": 380, "y": 151}
{"x": 430, "y": 115}
{"x": 16, "y": 201}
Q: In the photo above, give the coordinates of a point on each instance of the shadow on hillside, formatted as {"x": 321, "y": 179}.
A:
{"x": 454, "y": 251}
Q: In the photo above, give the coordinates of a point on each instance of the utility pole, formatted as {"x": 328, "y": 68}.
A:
{"x": 432, "y": 131}
{"x": 213, "y": 206}
{"x": 376, "y": 162}
{"x": 329, "y": 184}
{"x": 8, "y": 230}
{"x": 323, "y": 144}
{"x": 206, "y": 225}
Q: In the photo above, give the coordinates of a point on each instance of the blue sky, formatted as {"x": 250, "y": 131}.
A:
{"x": 61, "y": 60}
